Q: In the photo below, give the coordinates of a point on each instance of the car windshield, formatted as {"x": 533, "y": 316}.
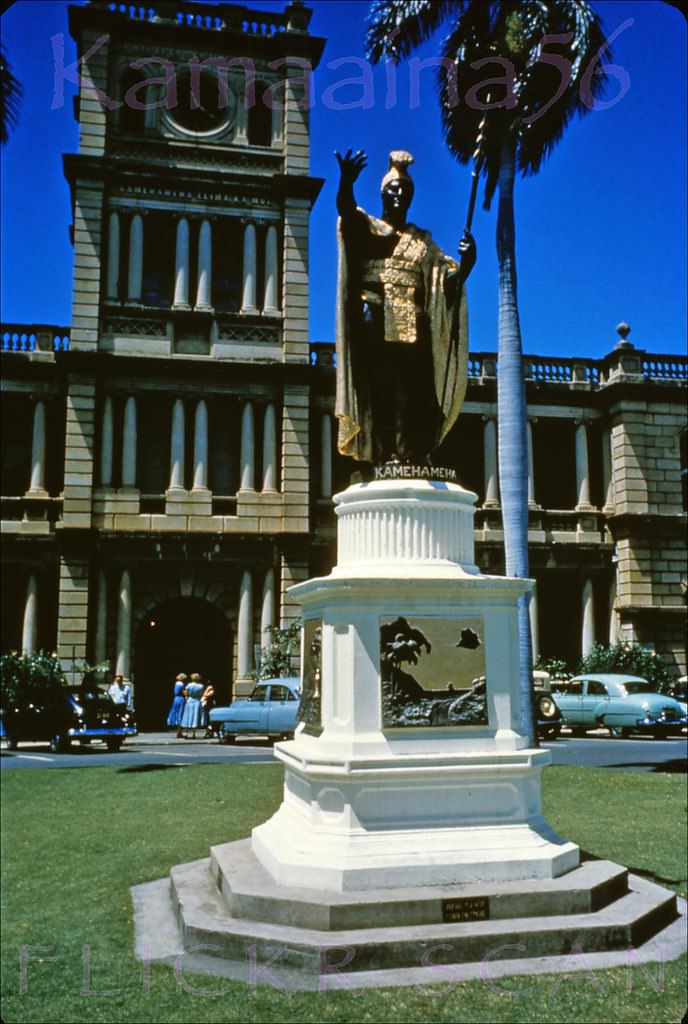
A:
{"x": 640, "y": 687}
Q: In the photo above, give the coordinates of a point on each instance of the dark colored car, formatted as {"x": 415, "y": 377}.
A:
{"x": 61, "y": 714}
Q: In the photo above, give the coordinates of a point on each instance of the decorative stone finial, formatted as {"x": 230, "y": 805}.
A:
{"x": 623, "y": 330}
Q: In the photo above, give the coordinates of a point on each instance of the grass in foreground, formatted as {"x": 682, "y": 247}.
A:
{"x": 74, "y": 841}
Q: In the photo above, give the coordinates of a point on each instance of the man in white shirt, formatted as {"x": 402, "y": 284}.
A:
{"x": 120, "y": 692}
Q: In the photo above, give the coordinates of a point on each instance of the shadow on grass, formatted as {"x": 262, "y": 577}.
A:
{"x": 148, "y": 768}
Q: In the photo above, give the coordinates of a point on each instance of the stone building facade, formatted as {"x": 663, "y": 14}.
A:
{"x": 168, "y": 462}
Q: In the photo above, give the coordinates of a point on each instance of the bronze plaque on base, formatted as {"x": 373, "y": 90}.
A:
{"x": 466, "y": 908}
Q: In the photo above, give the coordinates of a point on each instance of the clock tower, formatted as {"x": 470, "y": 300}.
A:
{"x": 186, "y": 510}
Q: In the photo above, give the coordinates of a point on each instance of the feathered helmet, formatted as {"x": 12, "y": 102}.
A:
{"x": 399, "y": 161}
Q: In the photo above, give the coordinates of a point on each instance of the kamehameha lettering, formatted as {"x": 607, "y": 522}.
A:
{"x": 395, "y": 471}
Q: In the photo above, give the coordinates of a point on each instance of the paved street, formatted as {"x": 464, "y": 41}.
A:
{"x": 151, "y": 751}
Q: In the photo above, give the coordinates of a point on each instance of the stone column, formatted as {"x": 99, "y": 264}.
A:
{"x": 246, "y": 482}
{"x": 181, "y": 267}
{"x": 30, "y": 621}
{"x": 135, "y": 275}
{"x": 534, "y": 624}
{"x": 205, "y": 256}
{"x": 177, "y": 446}
{"x": 270, "y": 305}
{"x": 245, "y": 627}
{"x": 200, "y": 478}
{"x": 129, "y": 443}
{"x": 326, "y": 456}
{"x": 607, "y": 475}
{"x": 613, "y": 613}
{"x": 100, "y": 646}
{"x": 490, "y": 457}
{"x": 122, "y": 663}
{"x": 112, "y": 284}
{"x": 582, "y": 469}
{"x": 106, "y": 438}
{"x": 588, "y": 628}
{"x": 269, "y": 449}
{"x": 267, "y": 608}
{"x": 37, "y": 482}
{"x": 248, "y": 295}
{"x": 531, "y": 473}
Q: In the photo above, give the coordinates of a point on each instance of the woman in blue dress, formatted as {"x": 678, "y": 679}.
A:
{"x": 191, "y": 718}
{"x": 174, "y": 718}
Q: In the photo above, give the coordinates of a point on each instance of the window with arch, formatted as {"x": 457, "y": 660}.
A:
{"x": 260, "y": 118}
{"x": 133, "y": 94}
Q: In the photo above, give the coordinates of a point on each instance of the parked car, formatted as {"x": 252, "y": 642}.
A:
{"x": 547, "y": 712}
{"x": 270, "y": 710}
{"x": 622, "y": 704}
{"x": 61, "y": 714}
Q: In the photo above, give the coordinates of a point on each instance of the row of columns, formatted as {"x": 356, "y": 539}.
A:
{"x": 200, "y": 445}
{"x": 124, "y": 620}
{"x": 588, "y": 637}
{"x": 203, "y": 297}
{"x": 582, "y": 466}
{"x": 245, "y": 619}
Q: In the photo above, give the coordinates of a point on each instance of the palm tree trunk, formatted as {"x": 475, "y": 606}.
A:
{"x": 512, "y": 420}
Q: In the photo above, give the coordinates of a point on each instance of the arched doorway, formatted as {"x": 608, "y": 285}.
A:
{"x": 185, "y": 634}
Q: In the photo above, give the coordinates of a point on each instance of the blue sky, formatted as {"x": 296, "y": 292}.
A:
{"x": 601, "y": 230}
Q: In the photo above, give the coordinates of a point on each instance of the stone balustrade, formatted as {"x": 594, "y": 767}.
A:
{"x": 27, "y": 338}
{"x": 204, "y": 16}
{"x": 482, "y": 366}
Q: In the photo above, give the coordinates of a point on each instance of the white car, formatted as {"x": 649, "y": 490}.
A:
{"x": 622, "y": 704}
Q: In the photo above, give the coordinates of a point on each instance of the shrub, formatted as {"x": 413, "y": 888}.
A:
{"x": 23, "y": 671}
{"x": 629, "y": 658}
{"x": 276, "y": 660}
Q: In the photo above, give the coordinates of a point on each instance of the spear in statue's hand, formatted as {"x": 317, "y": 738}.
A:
{"x": 478, "y": 160}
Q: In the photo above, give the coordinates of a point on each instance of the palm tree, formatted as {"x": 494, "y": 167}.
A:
{"x": 523, "y": 126}
{"x": 10, "y": 93}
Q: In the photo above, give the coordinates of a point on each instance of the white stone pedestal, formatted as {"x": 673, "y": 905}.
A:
{"x": 369, "y": 807}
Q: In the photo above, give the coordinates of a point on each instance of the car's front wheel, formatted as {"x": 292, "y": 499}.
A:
{"x": 59, "y": 744}
{"x": 225, "y": 737}
{"x": 114, "y": 743}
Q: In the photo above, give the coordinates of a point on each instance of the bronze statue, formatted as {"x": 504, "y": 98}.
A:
{"x": 402, "y": 332}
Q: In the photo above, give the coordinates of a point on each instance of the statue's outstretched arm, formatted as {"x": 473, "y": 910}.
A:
{"x": 350, "y": 166}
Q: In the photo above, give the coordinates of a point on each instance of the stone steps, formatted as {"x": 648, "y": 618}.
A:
{"x": 204, "y": 919}
{"x": 251, "y": 892}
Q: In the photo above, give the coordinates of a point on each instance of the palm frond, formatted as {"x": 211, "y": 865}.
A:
{"x": 397, "y": 27}
{"x": 513, "y": 32}
{"x": 10, "y": 95}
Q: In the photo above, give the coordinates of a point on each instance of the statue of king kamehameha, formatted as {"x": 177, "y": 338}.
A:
{"x": 402, "y": 329}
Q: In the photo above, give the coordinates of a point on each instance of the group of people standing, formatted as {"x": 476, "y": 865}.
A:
{"x": 191, "y": 703}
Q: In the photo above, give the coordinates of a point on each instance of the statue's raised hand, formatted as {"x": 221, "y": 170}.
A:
{"x": 351, "y": 165}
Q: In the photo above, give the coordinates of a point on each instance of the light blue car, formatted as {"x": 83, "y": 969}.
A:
{"x": 620, "y": 703}
{"x": 271, "y": 710}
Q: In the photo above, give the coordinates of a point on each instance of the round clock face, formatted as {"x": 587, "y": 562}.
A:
{"x": 204, "y": 102}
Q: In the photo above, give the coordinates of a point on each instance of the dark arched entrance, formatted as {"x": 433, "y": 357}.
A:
{"x": 185, "y": 634}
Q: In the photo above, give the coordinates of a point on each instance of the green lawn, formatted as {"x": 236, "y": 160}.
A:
{"x": 74, "y": 841}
